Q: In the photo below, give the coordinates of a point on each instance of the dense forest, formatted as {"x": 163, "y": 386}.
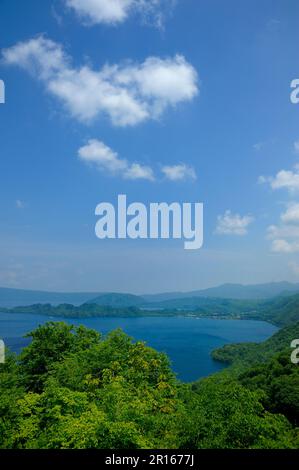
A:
{"x": 73, "y": 388}
{"x": 72, "y": 311}
{"x": 250, "y": 353}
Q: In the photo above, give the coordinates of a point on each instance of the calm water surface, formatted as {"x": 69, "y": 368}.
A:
{"x": 187, "y": 341}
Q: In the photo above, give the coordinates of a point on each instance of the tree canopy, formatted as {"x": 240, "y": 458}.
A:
{"x": 74, "y": 388}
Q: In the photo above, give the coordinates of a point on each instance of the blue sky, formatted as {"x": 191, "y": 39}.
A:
{"x": 186, "y": 101}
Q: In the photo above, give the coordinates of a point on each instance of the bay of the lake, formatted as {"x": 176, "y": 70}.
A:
{"x": 188, "y": 341}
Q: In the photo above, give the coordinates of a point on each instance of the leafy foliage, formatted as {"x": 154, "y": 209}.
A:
{"x": 267, "y": 368}
{"x": 73, "y": 388}
{"x": 251, "y": 353}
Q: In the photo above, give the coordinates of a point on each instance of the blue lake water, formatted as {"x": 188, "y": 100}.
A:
{"x": 187, "y": 341}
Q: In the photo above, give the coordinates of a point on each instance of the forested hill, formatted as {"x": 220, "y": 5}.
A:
{"x": 250, "y": 353}
{"x": 267, "y": 368}
{"x": 72, "y": 311}
{"x": 118, "y": 300}
{"x": 280, "y": 311}
{"x": 75, "y": 389}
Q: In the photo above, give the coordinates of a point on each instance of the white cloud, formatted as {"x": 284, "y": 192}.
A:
{"x": 233, "y": 224}
{"x": 42, "y": 57}
{"x": 285, "y": 237}
{"x": 282, "y": 231}
{"x": 102, "y": 11}
{"x": 284, "y": 179}
{"x": 284, "y": 246}
{"x": 296, "y": 147}
{"x": 99, "y": 154}
{"x": 291, "y": 216}
{"x": 137, "y": 171}
{"x": 105, "y": 159}
{"x": 113, "y": 12}
{"x": 179, "y": 172}
{"x": 57, "y": 17}
{"x": 127, "y": 93}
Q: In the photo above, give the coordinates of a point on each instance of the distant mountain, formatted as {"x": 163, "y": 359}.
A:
{"x": 118, "y": 300}
{"x": 281, "y": 311}
{"x": 232, "y": 291}
{"x": 21, "y": 297}
{"x": 14, "y": 297}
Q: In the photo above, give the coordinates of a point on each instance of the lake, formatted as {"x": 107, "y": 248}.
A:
{"x": 187, "y": 341}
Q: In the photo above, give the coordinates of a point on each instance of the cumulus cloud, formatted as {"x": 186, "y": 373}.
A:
{"x": 102, "y": 11}
{"x": 105, "y": 159}
{"x": 282, "y": 231}
{"x": 137, "y": 171}
{"x": 127, "y": 93}
{"x": 284, "y": 246}
{"x": 179, "y": 172}
{"x": 113, "y": 12}
{"x": 98, "y": 154}
{"x": 291, "y": 216}
{"x": 284, "y": 179}
{"x": 285, "y": 236}
{"x": 233, "y": 224}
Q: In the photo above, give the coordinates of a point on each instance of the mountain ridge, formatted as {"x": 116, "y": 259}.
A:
{"x": 17, "y": 297}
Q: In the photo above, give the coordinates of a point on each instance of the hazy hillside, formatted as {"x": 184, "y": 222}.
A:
{"x": 117, "y": 300}
{"x": 14, "y": 297}
{"x": 279, "y": 310}
{"x": 282, "y": 311}
{"x": 19, "y": 297}
{"x": 208, "y": 305}
{"x": 232, "y": 291}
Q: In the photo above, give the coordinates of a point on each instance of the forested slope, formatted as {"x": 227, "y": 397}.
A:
{"x": 73, "y": 388}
